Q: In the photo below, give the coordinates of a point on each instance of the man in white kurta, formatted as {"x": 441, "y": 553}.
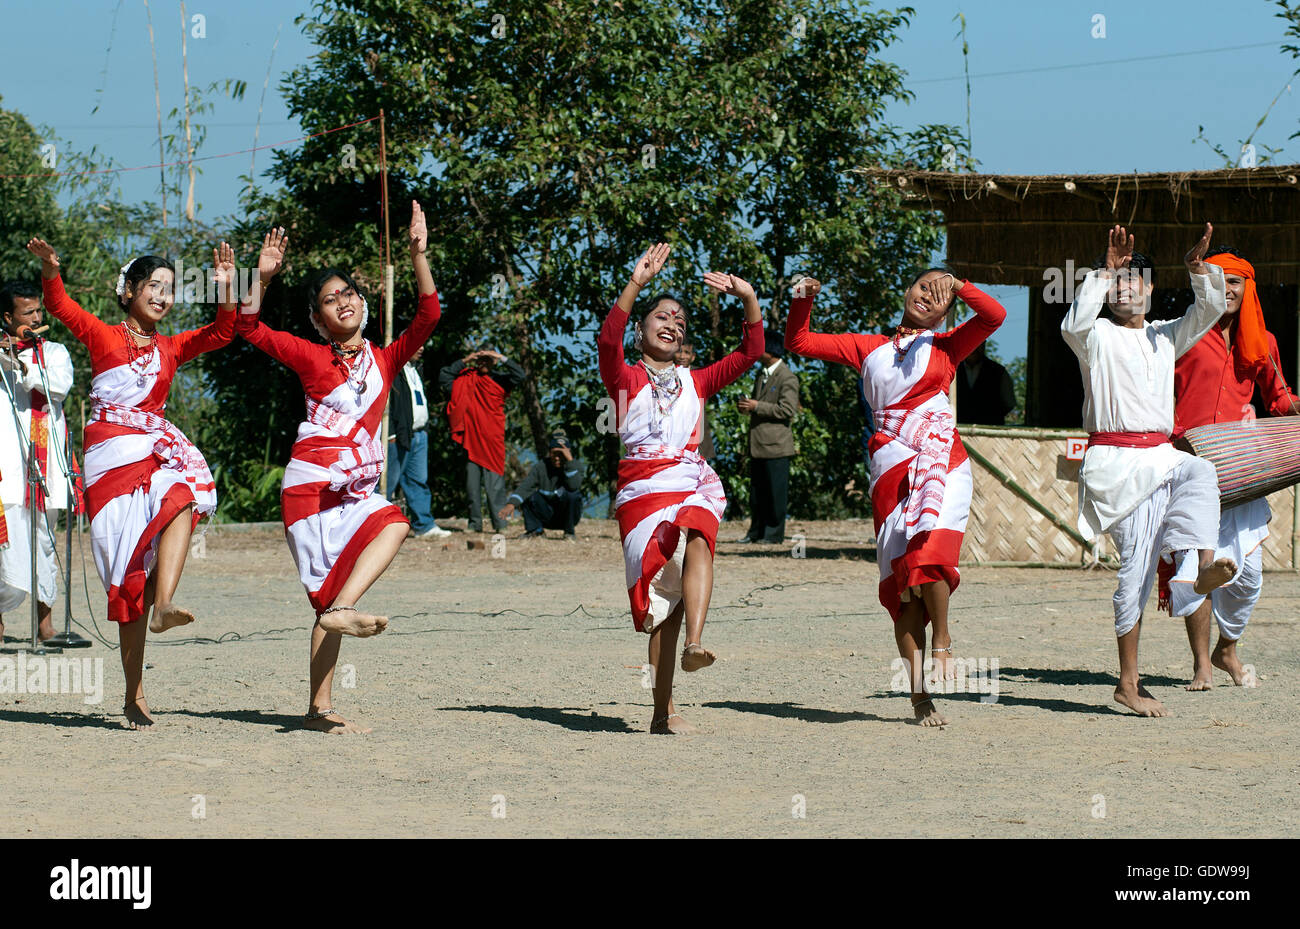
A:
{"x": 1152, "y": 498}
{"x": 37, "y": 376}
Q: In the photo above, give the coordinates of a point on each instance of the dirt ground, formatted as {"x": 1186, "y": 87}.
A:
{"x": 507, "y": 700}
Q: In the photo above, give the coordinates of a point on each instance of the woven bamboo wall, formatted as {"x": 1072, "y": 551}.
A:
{"x": 1003, "y": 527}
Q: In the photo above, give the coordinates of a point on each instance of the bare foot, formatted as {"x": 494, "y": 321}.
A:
{"x": 137, "y": 715}
{"x": 1215, "y": 575}
{"x": 927, "y": 714}
{"x": 1140, "y": 701}
{"x": 166, "y": 616}
{"x": 43, "y": 632}
{"x": 672, "y": 724}
{"x": 347, "y": 621}
{"x": 332, "y": 723}
{"x": 1224, "y": 657}
{"x": 696, "y": 656}
{"x": 1202, "y": 677}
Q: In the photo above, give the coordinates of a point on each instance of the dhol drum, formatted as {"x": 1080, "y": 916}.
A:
{"x": 1253, "y": 458}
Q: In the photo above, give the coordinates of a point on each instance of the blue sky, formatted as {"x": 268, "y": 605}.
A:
{"x": 1131, "y": 101}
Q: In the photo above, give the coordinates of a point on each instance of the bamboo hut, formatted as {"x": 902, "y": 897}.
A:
{"x": 1043, "y": 232}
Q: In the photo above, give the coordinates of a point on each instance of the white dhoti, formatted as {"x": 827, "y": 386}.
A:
{"x": 16, "y": 561}
{"x": 1180, "y": 515}
{"x": 1242, "y": 531}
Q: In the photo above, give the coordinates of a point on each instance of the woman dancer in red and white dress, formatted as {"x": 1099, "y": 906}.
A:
{"x": 669, "y": 500}
{"x": 920, "y": 474}
{"x": 146, "y": 485}
{"x": 341, "y": 533}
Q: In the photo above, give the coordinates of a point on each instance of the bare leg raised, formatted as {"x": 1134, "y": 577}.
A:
{"x": 330, "y": 628}
{"x": 697, "y": 591}
{"x": 173, "y": 547}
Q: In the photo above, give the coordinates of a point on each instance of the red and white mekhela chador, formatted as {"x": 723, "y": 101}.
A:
{"x": 140, "y": 469}
{"x": 920, "y": 474}
{"x": 664, "y": 486}
{"x": 327, "y": 499}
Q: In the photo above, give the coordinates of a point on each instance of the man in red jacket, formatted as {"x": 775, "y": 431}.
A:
{"x": 479, "y": 384}
{"x": 1214, "y": 383}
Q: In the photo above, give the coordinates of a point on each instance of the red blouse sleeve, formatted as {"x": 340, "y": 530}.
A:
{"x": 408, "y": 343}
{"x": 712, "y": 378}
{"x": 962, "y": 340}
{"x": 848, "y": 348}
{"x": 614, "y": 372}
{"x": 285, "y": 348}
{"x": 216, "y": 334}
{"x": 89, "y": 330}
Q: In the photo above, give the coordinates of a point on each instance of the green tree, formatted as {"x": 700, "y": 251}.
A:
{"x": 549, "y": 143}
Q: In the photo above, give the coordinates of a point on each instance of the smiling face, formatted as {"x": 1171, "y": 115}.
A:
{"x": 1236, "y": 285}
{"x": 663, "y": 330}
{"x": 338, "y": 309}
{"x": 1131, "y": 294}
{"x": 150, "y": 300}
{"x": 26, "y": 311}
{"x": 921, "y": 308}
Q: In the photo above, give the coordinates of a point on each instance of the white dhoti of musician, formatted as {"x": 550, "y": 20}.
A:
{"x": 37, "y": 376}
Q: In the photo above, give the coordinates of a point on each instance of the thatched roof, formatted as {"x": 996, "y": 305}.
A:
{"x": 1007, "y": 228}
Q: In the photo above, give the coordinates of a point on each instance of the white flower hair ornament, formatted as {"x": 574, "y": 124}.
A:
{"x": 121, "y": 280}
{"x": 320, "y": 327}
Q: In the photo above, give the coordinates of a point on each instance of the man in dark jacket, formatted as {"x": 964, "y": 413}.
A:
{"x": 551, "y": 493}
{"x": 985, "y": 394}
{"x": 479, "y": 384}
{"x": 770, "y": 410}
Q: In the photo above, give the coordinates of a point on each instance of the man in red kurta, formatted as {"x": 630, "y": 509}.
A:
{"x": 479, "y": 384}
{"x": 1214, "y": 383}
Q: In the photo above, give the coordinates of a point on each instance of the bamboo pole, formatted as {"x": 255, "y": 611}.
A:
{"x": 189, "y": 145}
{"x": 157, "y": 100}
{"x": 388, "y": 279}
{"x": 1011, "y": 485}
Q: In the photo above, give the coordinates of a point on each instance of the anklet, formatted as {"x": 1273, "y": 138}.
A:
{"x": 320, "y": 715}
{"x": 335, "y": 609}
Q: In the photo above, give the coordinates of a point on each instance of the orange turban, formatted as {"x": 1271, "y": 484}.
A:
{"x": 1251, "y": 345}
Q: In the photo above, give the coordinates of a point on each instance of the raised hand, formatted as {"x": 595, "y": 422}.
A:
{"x": 1195, "y": 258}
{"x": 271, "y": 259}
{"x": 650, "y": 264}
{"x": 940, "y": 289}
{"x": 806, "y": 287}
{"x": 729, "y": 284}
{"x": 223, "y": 271}
{"x": 49, "y": 258}
{"x": 1119, "y": 249}
{"x": 419, "y": 232}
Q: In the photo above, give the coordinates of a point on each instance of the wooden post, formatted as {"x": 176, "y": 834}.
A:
{"x": 388, "y": 283}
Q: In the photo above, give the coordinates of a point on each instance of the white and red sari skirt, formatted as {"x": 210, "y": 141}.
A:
{"x": 662, "y": 493}
{"x": 920, "y": 498}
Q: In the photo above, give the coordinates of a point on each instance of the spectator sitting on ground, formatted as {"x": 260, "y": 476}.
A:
{"x": 551, "y": 493}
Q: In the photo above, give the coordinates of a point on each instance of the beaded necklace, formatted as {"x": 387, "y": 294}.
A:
{"x": 354, "y": 369}
{"x": 139, "y": 357}
{"x": 901, "y": 333}
{"x": 665, "y": 386}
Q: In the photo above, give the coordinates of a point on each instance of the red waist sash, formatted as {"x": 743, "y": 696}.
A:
{"x": 1128, "y": 439}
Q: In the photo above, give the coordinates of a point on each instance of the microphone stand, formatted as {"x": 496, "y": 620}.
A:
{"x": 35, "y": 486}
{"x": 67, "y": 638}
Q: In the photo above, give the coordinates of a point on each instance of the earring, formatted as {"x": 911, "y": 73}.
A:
{"x": 636, "y": 339}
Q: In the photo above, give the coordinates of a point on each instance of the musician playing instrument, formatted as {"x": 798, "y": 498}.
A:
{"x": 1214, "y": 382}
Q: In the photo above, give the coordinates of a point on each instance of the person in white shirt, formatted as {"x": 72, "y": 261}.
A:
{"x": 1152, "y": 498}
{"x": 408, "y": 448}
{"x": 38, "y": 375}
